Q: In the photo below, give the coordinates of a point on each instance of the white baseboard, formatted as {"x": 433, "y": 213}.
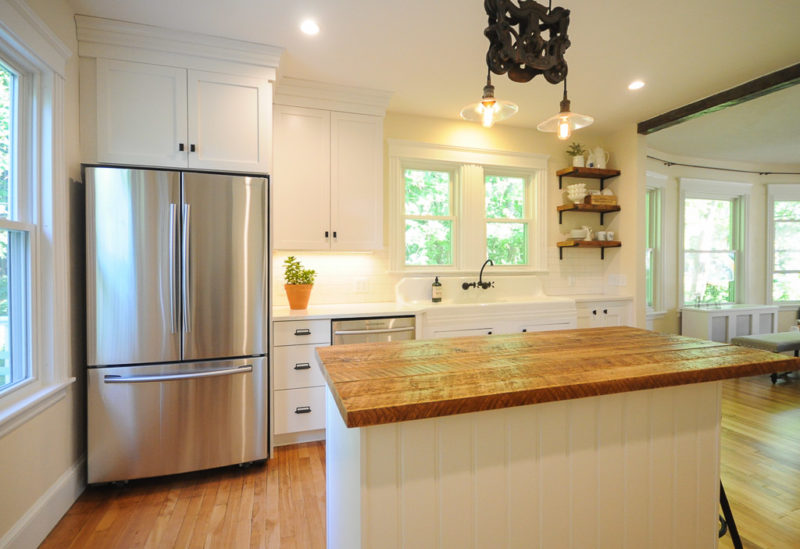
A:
{"x": 295, "y": 438}
{"x": 31, "y": 529}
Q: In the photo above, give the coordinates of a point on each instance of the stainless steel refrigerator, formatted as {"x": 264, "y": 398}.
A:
{"x": 177, "y": 307}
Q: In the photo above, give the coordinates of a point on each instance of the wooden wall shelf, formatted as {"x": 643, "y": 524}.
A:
{"x": 597, "y": 244}
{"x": 593, "y": 208}
{"x": 587, "y": 173}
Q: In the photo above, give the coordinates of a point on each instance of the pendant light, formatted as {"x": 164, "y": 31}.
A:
{"x": 489, "y": 110}
{"x": 565, "y": 122}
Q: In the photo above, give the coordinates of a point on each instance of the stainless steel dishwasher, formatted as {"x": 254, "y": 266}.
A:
{"x": 373, "y": 329}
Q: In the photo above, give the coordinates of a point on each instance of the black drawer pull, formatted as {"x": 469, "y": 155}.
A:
{"x": 302, "y": 410}
{"x": 302, "y": 332}
{"x": 524, "y": 330}
{"x": 181, "y": 147}
{"x": 594, "y": 312}
{"x": 192, "y": 148}
{"x": 302, "y": 366}
{"x": 605, "y": 311}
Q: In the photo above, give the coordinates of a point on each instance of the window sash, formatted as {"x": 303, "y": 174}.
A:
{"x": 444, "y": 220}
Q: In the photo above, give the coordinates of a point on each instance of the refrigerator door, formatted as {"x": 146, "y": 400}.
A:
{"x": 132, "y": 223}
{"x": 162, "y": 419}
{"x": 224, "y": 265}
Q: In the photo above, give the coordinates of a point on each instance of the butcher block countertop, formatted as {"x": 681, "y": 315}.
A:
{"x": 375, "y": 383}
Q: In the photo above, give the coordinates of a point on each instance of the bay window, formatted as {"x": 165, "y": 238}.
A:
{"x": 452, "y": 208}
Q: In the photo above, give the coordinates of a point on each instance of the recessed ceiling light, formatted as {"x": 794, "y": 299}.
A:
{"x": 309, "y": 27}
{"x": 636, "y": 85}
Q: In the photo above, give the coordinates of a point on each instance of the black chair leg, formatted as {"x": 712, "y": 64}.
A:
{"x": 726, "y": 510}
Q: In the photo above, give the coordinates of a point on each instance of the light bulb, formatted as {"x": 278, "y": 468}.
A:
{"x": 564, "y": 130}
{"x": 487, "y": 116}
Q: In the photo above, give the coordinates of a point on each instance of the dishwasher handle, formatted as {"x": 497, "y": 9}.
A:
{"x": 174, "y": 377}
{"x": 378, "y": 331}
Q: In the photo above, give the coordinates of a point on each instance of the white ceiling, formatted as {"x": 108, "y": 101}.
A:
{"x": 431, "y": 55}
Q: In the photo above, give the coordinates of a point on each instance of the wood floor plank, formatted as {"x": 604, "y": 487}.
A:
{"x": 281, "y": 504}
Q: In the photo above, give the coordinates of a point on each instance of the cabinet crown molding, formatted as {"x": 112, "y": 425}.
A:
{"x": 98, "y": 37}
{"x": 296, "y": 92}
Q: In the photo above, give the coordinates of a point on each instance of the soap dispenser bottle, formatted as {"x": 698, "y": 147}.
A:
{"x": 436, "y": 291}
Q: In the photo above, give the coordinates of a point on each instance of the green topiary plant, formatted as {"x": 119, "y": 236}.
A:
{"x": 296, "y": 274}
{"x": 575, "y": 149}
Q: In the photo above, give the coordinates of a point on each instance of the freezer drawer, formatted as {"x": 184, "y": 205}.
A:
{"x": 171, "y": 418}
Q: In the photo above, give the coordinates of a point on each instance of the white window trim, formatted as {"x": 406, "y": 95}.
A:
{"x": 24, "y": 37}
{"x": 718, "y": 190}
{"x": 777, "y": 191}
{"x": 468, "y": 164}
{"x": 658, "y": 182}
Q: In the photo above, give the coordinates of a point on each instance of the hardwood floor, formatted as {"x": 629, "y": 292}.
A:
{"x": 282, "y": 504}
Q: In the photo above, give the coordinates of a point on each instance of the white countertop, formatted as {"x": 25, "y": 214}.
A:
{"x": 390, "y": 308}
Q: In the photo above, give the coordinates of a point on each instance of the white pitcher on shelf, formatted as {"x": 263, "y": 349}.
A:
{"x": 600, "y": 157}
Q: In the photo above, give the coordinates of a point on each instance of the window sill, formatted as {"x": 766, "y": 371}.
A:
{"x": 656, "y": 315}
{"x": 783, "y": 307}
{"x": 23, "y": 410}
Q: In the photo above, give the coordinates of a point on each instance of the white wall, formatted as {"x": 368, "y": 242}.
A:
{"x": 756, "y": 265}
{"x": 581, "y": 271}
{"x": 41, "y": 460}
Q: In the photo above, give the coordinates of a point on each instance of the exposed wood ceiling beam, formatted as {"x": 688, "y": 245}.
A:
{"x": 772, "y": 82}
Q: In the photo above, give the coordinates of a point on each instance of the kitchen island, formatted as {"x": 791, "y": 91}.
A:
{"x": 604, "y": 437}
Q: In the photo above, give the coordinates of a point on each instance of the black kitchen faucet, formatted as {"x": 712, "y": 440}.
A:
{"x": 480, "y": 283}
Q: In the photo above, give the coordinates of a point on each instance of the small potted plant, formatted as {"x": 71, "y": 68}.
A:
{"x": 298, "y": 283}
{"x": 576, "y": 151}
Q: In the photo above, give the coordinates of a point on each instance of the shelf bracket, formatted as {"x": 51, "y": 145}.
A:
{"x": 560, "y": 254}
{"x": 602, "y": 253}
{"x": 602, "y": 215}
{"x": 561, "y": 212}
{"x": 559, "y": 181}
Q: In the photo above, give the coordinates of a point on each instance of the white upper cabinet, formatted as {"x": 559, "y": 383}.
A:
{"x": 328, "y": 180}
{"x": 172, "y": 117}
{"x": 164, "y": 98}
{"x": 141, "y": 114}
{"x": 230, "y": 122}
{"x": 356, "y": 181}
{"x": 301, "y": 179}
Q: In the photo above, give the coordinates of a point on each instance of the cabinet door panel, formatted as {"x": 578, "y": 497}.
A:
{"x": 301, "y": 182}
{"x": 356, "y": 181}
{"x": 141, "y": 114}
{"x": 229, "y": 122}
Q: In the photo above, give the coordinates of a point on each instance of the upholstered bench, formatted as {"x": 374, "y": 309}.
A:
{"x": 777, "y": 343}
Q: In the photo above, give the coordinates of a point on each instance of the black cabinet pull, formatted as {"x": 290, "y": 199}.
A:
{"x": 490, "y": 333}
{"x": 326, "y": 234}
{"x": 302, "y": 410}
{"x": 605, "y": 311}
{"x": 334, "y": 234}
{"x": 192, "y": 148}
{"x": 302, "y": 366}
{"x": 302, "y": 332}
{"x": 181, "y": 147}
{"x": 594, "y": 312}
{"x": 524, "y": 330}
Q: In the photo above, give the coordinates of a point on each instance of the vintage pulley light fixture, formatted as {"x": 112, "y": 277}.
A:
{"x": 527, "y": 39}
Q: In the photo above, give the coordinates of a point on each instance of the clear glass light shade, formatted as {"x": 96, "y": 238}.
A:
{"x": 564, "y": 123}
{"x": 488, "y": 111}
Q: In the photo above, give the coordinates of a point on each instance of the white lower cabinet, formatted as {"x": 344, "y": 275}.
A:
{"x": 728, "y": 321}
{"x": 298, "y": 386}
{"x": 299, "y": 410}
{"x": 602, "y": 313}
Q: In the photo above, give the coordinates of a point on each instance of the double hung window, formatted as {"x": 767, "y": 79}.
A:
{"x": 14, "y": 240}
{"x": 784, "y": 235}
{"x": 714, "y": 216}
{"x": 34, "y": 309}
{"x": 452, "y": 208}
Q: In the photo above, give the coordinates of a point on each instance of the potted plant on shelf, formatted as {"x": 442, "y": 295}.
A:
{"x": 576, "y": 151}
{"x": 298, "y": 283}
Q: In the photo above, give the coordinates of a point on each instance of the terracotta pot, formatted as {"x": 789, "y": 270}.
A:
{"x": 298, "y": 295}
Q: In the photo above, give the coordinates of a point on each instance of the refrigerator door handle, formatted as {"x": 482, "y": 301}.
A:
{"x": 173, "y": 279}
{"x": 247, "y": 368}
{"x": 187, "y": 327}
